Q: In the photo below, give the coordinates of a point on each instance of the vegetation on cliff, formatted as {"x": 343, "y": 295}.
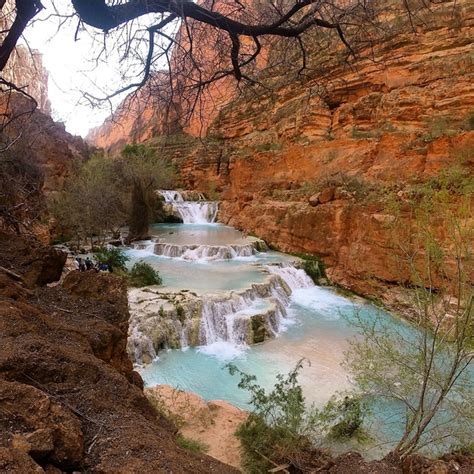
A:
{"x": 103, "y": 195}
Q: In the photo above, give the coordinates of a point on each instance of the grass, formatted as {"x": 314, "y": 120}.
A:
{"x": 192, "y": 445}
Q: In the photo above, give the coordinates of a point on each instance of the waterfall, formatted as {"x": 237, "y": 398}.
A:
{"x": 204, "y": 252}
{"x": 140, "y": 346}
{"x": 191, "y": 212}
{"x": 228, "y": 319}
{"x": 172, "y": 196}
{"x": 295, "y": 278}
{"x": 147, "y": 246}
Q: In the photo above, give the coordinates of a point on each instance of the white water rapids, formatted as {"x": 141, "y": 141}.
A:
{"x": 191, "y": 212}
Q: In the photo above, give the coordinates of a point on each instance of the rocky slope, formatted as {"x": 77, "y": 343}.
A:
{"x": 362, "y": 134}
{"x": 25, "y": 69}
{"x": 69, "y": 398}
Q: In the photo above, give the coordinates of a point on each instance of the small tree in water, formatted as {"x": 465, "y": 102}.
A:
{"x": 143, "y": 172}
{"x": 428, "y": 375}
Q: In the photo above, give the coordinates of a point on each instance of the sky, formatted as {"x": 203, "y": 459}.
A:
{"x": 71, "y": 70}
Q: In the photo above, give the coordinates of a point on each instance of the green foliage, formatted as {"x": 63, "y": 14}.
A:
{"x": 344, "y": 418}
{"x": 426, "y": 371}
{"x": 92, "y": 204}
{"x": 191, "y": 444}
{"x": 143, "y": 274}
{"x": 447, "y": 126}
{"x": 180, "y": 313}
{"x": 142, "y": 172}
{"x": 113, "y": 257}
{"x": 282, "y": 429}
{"x": 278, "y": 427}
{"x": 212, "y": 192}
{"x": 314, "y": 267}
{"x": 364, "y": 134}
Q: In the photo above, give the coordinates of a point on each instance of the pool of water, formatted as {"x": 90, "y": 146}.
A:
{"x": 206, "y": 276}
{"x": 204, "y": 234}
{"x": 317, "y": 328}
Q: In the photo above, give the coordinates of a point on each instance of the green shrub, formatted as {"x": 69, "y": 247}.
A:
{"x": 143, "y": 274}
{"x": 344, "y": 418}
{"x": 278, "y": 429}
{"x": 180, "y": 313}
{"x": 314, "y": 267}
{"x": 191, "y": 444}
{"x": 113, "y": 257}
{"x": 281, "y": 429}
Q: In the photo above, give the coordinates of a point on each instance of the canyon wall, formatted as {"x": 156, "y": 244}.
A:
{"x": 37, "y": 153}
{"x": 25, "y": 69}
{"x": 310, "y": 163}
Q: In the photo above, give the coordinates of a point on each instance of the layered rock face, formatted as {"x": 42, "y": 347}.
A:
{"x": 311, "y": 163}
{"x": 25, "y": 69}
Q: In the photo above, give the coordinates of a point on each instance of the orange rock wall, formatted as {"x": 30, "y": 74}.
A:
{"x": 397, "y": 118}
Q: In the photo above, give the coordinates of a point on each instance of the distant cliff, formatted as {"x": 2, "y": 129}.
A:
{"x": 25, "y": 69}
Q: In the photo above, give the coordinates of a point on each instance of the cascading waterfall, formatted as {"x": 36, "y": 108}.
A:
{"x": 227, "y": 320}
{"x": 295, "y": 278}
{"x": 191, "y": 212}
{"x": 198, "y": 252}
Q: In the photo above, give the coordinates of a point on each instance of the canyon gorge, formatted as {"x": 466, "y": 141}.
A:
{"x": 310, "y": 164}
{"x": 304, "y": 210}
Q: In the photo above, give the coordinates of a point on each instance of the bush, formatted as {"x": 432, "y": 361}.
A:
{"x": 113, "y": 257}
{"x": 314, "y": 267}
{"x": 344, "y": 418}
{"x": 282, "y": 430}
{"x": 278, "y": 429}
{"x": 143, "y": 274}
{"x": 191, "y": 444}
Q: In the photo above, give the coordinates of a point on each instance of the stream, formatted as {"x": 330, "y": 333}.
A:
{"x": 226, "y": 298}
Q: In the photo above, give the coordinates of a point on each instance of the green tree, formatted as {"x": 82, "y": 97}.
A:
{"x": 282, "y": 430}
{"x": 427, "y": 373}
{"x": 143, "y": 274}
{"x": 113, "y": 257}
{"x": 92, "y": 203}
{"x": 143, "y": 172}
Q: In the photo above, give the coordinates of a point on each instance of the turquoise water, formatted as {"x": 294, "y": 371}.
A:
{"x": 317, "y": 329}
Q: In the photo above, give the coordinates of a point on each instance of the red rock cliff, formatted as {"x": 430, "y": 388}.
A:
{"x": 369, "y": 129}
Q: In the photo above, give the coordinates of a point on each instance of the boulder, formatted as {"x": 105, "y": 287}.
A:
{"x": 327, "y": 195}
{"x": 100, "y": 286}
{"x": 49, "y": 429}
{"x": 314, "y": 200}
{"x": 15, "y": 460}
{"x": 46, "y": 266}
{"x": 38, "y": 444}
{"x": 324, "y": 196}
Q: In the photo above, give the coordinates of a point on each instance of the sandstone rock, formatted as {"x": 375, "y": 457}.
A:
{"x": 46, "y": 266}
{"x": 64, "y": 370}
{"x": 384, "y": 219}
{"x": 37, "y": 444}
{"x": 36, "y": 264}
{"x": 101, "y": 286}
{"x": 14, "y": 460}
{"x": 213, "y": 423}
{"x": 314, "y": 200}
{"x": 326, "y": 195}
{"x": 45, "y": 420}
{"x": 41, "y": 442}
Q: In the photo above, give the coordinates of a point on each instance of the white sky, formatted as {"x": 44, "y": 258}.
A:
{"x": 72, "y": 71}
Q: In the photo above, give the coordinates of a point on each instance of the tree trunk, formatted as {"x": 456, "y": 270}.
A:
{"x": 140, "y": 214}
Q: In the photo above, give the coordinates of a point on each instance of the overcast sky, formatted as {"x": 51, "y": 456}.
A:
{"x": 71, "y": 70}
